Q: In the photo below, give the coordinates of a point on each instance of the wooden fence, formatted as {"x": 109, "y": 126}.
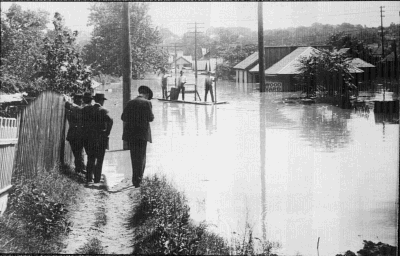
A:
{"x": 8, "y": 139}
{"x": 42, "y": 135}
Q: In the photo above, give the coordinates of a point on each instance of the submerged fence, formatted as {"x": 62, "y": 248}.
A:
{"x": 41, "y": 143}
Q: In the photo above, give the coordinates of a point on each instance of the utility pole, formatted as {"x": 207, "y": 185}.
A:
{"x": 126, "y": 60}
{"x": 195, "y": 54}
{"x": 261, "y": 47}
{"x": 175, "y": 45}
{"x": 195, "y": 47}
{"x": 383, "y": 47}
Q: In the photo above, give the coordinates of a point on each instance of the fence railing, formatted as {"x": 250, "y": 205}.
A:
{"x": 8, "y": 139}
{"x": 42, "y": 134}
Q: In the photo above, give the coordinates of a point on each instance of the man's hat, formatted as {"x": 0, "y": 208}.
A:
{"x": 87, "y": 95}
{"x": 146, "y": 90}
{"x": 99, "y": 96}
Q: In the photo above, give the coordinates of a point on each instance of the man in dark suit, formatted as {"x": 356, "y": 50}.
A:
{"x": 137, "y": 116}
{"x": 97, "y": 126}
{"x": 74, "y": 136}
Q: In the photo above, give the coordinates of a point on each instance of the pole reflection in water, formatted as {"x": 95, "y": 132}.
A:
{"x": 262, "y": 166}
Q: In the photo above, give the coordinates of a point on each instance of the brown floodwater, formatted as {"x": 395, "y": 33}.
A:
{"x": 293, "y": 172}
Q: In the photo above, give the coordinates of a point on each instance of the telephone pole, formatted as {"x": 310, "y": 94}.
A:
{"x": 173, "y": 45}
{"x": 126, "y": 59}
{"x": 195, "y": 46}
{"x": 261, "y": 47}
{"x": 383, "y": 47}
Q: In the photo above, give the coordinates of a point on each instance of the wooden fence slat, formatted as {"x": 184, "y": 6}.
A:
{"x": 40, "y": 135}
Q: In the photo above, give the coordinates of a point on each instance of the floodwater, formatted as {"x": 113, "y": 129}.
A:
{"x": 293, "y": 172}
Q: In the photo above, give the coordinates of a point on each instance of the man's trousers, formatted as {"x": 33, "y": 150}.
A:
{"x": 77, "y": 150}
{"x": 138, "y": 158}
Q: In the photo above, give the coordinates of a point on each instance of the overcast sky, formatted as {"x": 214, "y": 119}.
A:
{"x": 176, "y": 15}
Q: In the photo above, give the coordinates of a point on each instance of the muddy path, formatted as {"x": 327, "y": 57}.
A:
{"x": 102, "y": 213}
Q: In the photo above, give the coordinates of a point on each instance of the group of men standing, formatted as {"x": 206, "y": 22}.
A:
{"x": 90, "y": 127}
{"x": 208, "y": 84}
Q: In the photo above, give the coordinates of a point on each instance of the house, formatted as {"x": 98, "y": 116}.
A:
{"x": 281, "y": 75}
{"x": 369, "y": 73}
{"x": 272, "y": 54}
{"x": 204, "y": 65}
{"x": 242, "y": 69}
{"x": 184, "y": 62}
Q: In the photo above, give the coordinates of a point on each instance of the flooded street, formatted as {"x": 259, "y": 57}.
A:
{"x": 294, "y": 172}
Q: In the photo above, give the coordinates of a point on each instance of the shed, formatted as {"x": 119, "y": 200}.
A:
{"x": 184, "y": 61}
{"x": 242, "y": 69}
{"x": 281, "y": 74}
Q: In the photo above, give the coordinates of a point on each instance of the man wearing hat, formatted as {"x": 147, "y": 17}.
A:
{"x": 97, "y": 126}
{"x": 137, "y": 116}
{"x": 181, "y": 84}
{"x": 74, "y": 135}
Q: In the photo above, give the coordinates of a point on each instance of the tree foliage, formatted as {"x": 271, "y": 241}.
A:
{"x": 319, "y": 66}
{"x": 62, "y": 68}
{"x": 357, "y": 47}
{"x": 104, "y": 51}
{"x": 21, "y": 35}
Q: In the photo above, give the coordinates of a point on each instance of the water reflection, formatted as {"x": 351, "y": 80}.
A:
{"x": 298, "y": 171}
{"x": 326, "y": 126}
{"x": 209, "y": 119}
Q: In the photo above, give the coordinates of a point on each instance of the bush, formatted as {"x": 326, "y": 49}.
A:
{"x": 36, "y": 216}
{"x": 92, "y": 247}
{"x": 162, "y": 226}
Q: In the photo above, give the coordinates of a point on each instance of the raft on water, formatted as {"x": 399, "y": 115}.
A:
{"x": 194, "y": 102}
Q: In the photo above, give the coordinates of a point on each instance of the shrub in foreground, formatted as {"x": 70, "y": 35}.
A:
{"x": 36, "y": 215}
{"x": 163, "y": 226}
{"x": 92, "y": 247}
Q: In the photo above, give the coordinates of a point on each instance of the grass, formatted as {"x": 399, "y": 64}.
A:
{"x": 162, "y": 225}
{"x": 36, "y": 217}
{"x": 93, "y": 247}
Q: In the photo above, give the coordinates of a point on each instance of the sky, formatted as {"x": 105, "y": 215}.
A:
{"x": 177, "y": 16}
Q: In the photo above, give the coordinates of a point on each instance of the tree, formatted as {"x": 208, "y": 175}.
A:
{"x": 315, "y": 69}
{"x": 22, "y": 33}
{"x": 104, "y": 51}
{"x": 358, "y": 48}
{"x": 62, "y": 69}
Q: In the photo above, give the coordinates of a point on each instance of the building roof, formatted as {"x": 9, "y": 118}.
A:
{"x": 187, "y": 58}
{"x": 390, "y": 57}
{"x": 359, "y": 63}
{"x": 290, "y": 64}
{"x": 248, "y": 62}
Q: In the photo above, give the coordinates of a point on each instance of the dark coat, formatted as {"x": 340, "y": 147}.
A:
{"x": 97, "y": 122}
{"x": 74, "y": 117}
{"x": 137, "y": 115}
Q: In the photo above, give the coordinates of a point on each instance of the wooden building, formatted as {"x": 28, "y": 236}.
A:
{"x": 184, "y": 62}
{"x": 242, "y": 69}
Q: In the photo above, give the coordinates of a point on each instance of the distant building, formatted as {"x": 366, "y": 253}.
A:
{"x": 204, "y": 65}
{"x": 281, "y": 65}
{"x": 184, "y": 62}
{"x": 243, "y": 68}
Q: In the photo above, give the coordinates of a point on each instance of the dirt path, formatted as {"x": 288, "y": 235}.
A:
{"x": 102, "y": 213}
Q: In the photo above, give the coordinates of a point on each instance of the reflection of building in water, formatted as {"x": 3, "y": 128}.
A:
{"x": 326, "y": 127}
